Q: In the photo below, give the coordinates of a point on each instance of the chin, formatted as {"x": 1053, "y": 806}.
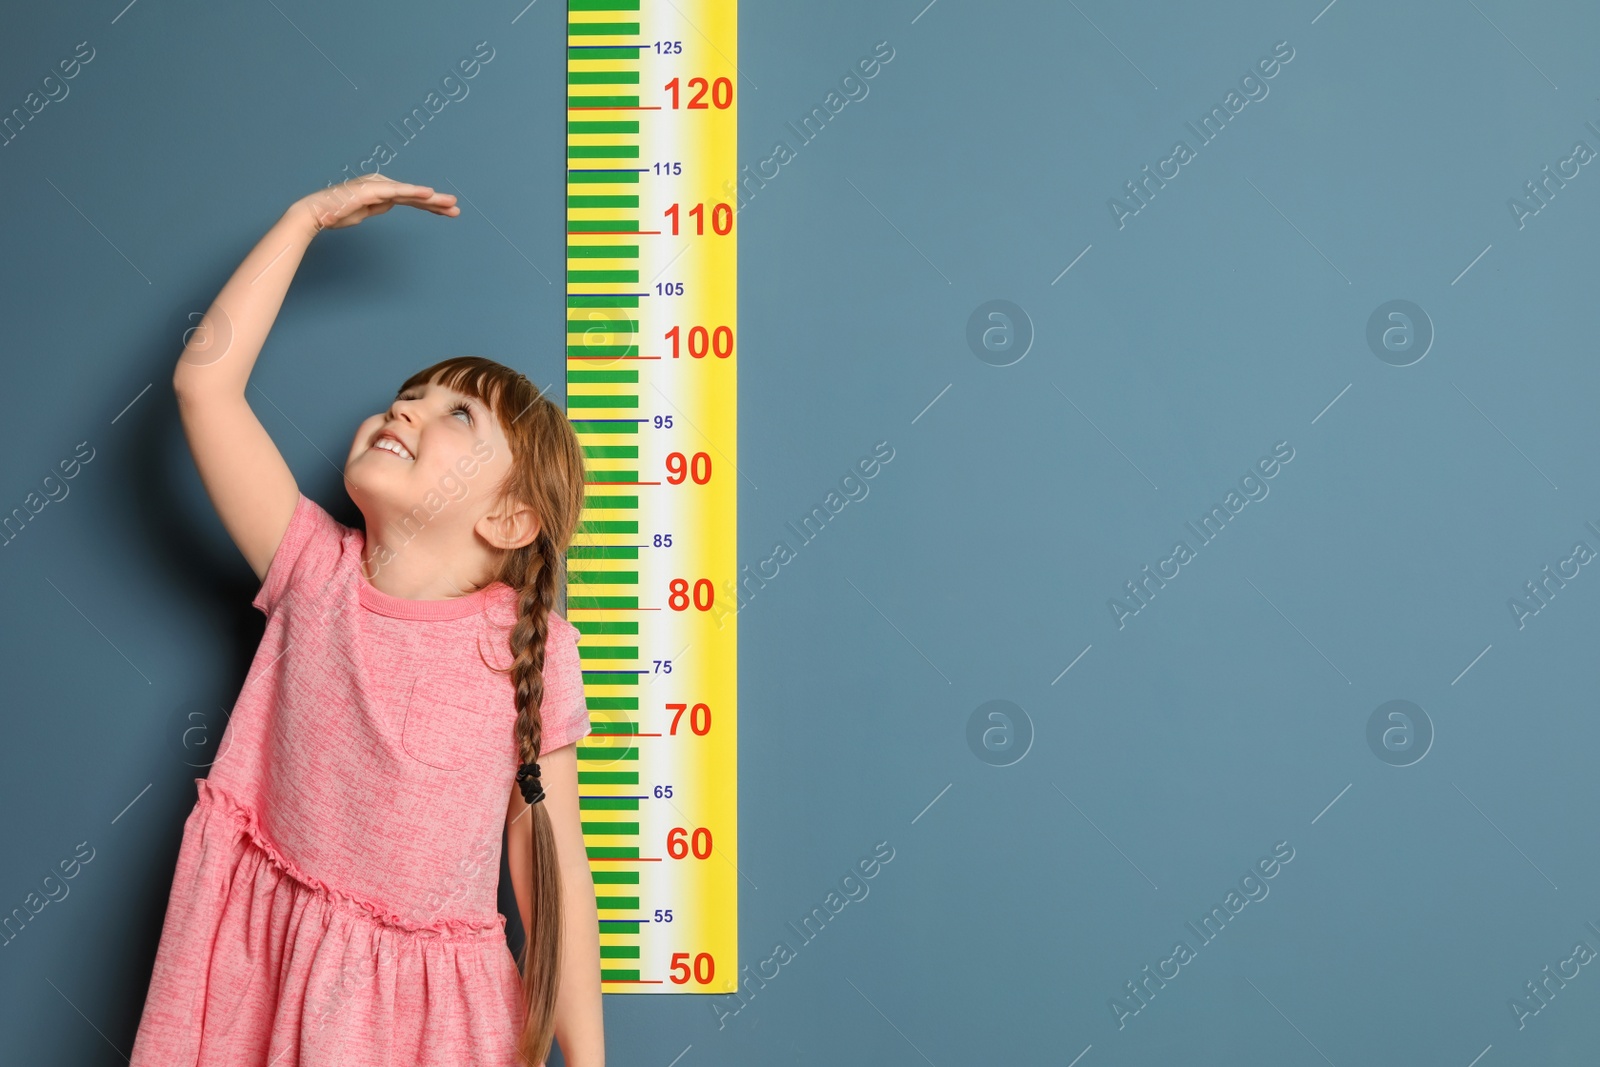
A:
{"x": 375, "y": 489}
{"x": 364, "y": 483}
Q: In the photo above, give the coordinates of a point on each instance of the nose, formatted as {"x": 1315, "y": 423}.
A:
{"x": 402, "y": 409}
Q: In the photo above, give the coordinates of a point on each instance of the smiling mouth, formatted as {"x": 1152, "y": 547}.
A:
{"x": 389, "y": 444}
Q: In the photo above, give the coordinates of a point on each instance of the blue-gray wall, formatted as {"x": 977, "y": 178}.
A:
{"x": 1046, "y": 850}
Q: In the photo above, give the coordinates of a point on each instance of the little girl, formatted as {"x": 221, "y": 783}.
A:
{"x": 335, "y": 897}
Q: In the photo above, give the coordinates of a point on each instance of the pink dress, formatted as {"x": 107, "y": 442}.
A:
{"x": 336, "y": 890}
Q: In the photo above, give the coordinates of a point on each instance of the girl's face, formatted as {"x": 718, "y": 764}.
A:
{"x": 436, "y": 455}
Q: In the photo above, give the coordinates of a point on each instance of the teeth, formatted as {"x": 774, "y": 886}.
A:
{"x": 389, "y": 444}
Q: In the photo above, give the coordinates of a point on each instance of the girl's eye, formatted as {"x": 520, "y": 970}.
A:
{"x": 463, "y": 409}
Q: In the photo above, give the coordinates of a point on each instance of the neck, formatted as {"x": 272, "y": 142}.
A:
{"x": 416, "y": 566}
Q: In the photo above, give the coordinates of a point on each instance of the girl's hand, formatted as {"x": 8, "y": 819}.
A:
{"x": 349, "y": 202}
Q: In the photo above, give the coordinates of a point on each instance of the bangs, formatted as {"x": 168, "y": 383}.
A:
{"x": 482, "y": 379}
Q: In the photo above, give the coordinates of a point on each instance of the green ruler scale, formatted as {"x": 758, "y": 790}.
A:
{"x": 651, "y": 391}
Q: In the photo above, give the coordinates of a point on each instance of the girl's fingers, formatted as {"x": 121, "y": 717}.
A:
{"x": 440, "y": 203}
{"x": 377, "y": 186}
{"x": 388, "y": 189}
{"x": 402, "y": 190}
{"x": 375, "y": 194}
{"x": 393, "y": 192}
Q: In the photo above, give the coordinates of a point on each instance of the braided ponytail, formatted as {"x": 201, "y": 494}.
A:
{"x": 541, "y": 949}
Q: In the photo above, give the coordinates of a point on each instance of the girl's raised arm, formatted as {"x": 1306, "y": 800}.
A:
{"x": 245, "y": 476}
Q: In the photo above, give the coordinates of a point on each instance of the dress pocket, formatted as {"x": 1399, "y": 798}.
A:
{"x": 440, "y": 733}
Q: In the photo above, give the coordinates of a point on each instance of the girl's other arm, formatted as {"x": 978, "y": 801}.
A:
{"x": 243, "y": 473}
{"x": 519, "y": 853}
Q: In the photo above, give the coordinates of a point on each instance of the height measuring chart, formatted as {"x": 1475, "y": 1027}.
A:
{"x": 651, "y": 287}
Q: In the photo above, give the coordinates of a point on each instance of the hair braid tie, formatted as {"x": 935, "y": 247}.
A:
{"x": 528, "y": 782}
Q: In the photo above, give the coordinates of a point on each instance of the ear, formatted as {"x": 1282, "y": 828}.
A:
{"x": 510, "y": 526}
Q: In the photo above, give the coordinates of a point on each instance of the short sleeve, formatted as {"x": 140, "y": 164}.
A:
{"x": 307, "y": 554}
{"x": 564, "y": 713}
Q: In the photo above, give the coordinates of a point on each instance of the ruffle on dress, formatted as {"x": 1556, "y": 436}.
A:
{"x": 291, "y": 972}
{"x": 443, "y": 928}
